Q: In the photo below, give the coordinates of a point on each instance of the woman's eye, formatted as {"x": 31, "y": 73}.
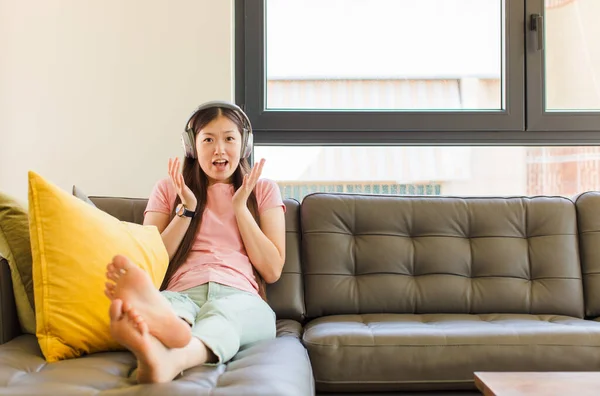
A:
{"x": 208, "y": 140}
{"x": 230, "y": 138}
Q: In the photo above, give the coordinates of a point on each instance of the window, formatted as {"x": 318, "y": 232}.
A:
{"x": 342, "y": 67}
{"x": 351, "y": 57}
{"x": 563, "y": 67}
{"x": 442, "y": 170}
{"x": 426, "y": 97}
{"x": 419, "y": 71}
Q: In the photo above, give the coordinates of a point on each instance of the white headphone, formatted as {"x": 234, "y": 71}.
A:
{"x": 188, "y": 137}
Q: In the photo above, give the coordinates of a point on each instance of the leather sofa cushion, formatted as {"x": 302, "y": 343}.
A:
{"x": 588, "y": 220}
{"x": 277, "y": 367}
{"x": 416, "y": 352}
{"x": 286, "y": 296}
{"x": 391, "y": 254}
{"x": 124, "y": 209}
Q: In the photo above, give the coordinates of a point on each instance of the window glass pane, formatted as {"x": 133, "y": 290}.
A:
{"x": 572, "y": 55}
{"x": 478, "y": 171}
{"x": 385, "y": 54}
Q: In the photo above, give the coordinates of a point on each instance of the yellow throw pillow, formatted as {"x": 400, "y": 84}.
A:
{"x": 71, "y": 244}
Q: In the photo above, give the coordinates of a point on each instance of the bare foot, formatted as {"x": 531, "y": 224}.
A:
{"x": 130, "y": 283}
{"x": 128, "y": 328}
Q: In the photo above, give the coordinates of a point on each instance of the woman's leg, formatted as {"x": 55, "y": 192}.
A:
{"x": 156, "y": 363}
{"x": 231, "y": 320}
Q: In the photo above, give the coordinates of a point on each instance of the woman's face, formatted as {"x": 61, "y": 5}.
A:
{"x": 219, "y": 145}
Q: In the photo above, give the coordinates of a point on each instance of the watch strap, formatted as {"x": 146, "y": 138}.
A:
{"x": 182, "y": 211}
{"x": 188, "y": 213}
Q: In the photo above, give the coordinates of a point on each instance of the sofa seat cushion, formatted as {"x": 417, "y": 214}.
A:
{"x": 424, "y": 352}
{"x": 277, "y": 367}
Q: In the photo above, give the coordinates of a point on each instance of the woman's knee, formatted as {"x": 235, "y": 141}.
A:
{"x": 182, "y": 305}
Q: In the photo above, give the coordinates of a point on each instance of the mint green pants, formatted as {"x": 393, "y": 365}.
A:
{"x": 224, "y": 318}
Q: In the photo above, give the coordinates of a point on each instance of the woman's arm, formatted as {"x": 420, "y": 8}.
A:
{"x": 172, "y": 233}
{"x": 266, "y": 246}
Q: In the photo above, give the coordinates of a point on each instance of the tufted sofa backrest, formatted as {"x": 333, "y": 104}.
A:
{"x": 399, "y": 254}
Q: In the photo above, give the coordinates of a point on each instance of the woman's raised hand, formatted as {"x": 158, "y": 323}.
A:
{"x": 185, "y": 194}
{"x": 241, "y": 195}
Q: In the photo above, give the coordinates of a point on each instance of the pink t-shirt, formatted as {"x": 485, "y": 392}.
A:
{"x": 218, "y": 253}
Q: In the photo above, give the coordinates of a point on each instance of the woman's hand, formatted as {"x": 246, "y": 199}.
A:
{"x": 185, "y": 194}
{"x": 241, "y": 195}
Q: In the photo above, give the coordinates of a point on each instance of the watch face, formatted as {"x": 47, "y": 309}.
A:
{"x": 179, "y": 210}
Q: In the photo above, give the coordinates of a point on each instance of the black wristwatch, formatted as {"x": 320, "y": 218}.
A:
{"x": 182, "y": 211}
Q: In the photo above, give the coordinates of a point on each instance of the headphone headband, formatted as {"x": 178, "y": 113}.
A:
{"x": 188, "y": 138}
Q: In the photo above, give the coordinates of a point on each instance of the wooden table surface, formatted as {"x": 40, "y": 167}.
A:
{"x": 538, "y": 383}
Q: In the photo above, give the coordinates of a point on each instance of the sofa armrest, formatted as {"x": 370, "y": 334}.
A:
{"x": 9, "y": 322}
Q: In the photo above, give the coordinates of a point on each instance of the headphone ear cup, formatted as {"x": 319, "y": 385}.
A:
{"x": 248, "y": 145}
{"x": 187, "y": 141}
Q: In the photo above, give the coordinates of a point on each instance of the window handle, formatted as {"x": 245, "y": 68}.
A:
{"x": 537, "y": 25}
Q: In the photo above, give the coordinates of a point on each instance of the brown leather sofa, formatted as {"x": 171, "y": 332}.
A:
{"x": 385, "y": 294}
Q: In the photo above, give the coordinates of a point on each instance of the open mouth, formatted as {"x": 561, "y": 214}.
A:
{"x": 220, "y": 164}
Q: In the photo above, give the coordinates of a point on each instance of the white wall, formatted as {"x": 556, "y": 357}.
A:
{"x": 96, "y": 92}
